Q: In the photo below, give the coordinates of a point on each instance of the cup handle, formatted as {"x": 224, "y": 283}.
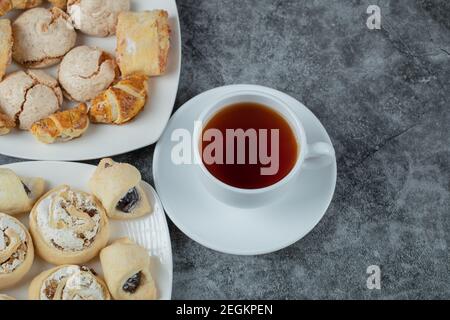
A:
{"x": 319, "y": 155}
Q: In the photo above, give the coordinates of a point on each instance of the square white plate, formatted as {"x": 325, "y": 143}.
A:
{"x": 108, "y": 140}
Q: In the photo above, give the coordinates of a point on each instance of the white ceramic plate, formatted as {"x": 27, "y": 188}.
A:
{"x": 105, "y": 140}
{"x": 238, "y": 231}
{"x": 150, "y": 231}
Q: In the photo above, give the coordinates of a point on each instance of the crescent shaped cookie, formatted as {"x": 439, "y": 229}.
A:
{"x": 68, "y": 282}
{"x": 18, "y": 194}
{"x": 119, "y": 188}
{"x": 68, "y": 226}
{"x": 16, "y": 251}
{"x": 127, "y": 271}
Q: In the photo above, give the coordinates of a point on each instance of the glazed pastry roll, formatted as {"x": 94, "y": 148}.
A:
{"x": 122, "y": 102}
{"x": 18, "y": 194}
{"x": 127, "y": 271}
{"x": 68, "y": 282}
{"x": 62, "y": 126}
{"x": 119, "y": 188}
{"x": 6, "y": 297}
{"x": 68, "y": 226}
{"x": 6, "y": 124}
{"x": 16, "y": 251}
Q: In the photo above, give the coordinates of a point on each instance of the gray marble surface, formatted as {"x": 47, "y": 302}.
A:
{"x": 383, "y": 96}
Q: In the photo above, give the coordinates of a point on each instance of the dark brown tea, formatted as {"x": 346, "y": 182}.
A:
{"x": 249, "y": 146}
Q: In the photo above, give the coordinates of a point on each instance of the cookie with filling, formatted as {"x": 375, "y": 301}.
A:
{"x": 16, "y": 251}
{"x": 18, "y": 194}
{"x": 29, "y": 96}
{"x": 126, "y": 266}
{"x": 42, "y": 37}
{"x": 96, "y": 17}
{"x": 68, "y": 282}
{"x": 120, "y": 189}
{"x": 85, "y": 72}
{"x": 68, "y": 226}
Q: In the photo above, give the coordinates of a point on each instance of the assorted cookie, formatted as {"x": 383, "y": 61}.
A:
{"x": 62, "y": 126}
{"x": 18, "y": 194}
{"x": 119, "y": 188}
{"x": 127, "y": 271}
{"x": 68, "y": 226}
{"x": 6, "y": 44}
{"x": 42, "y": 37}
{"x": 6, "y": 124}
{"x": 85, "y": 72}
{"x": 16, "y": 251}
{"x": 115, "y": 89}
{"x": 122, "y": 102}
{"x": 143, "y": 42}
{"x": 96, "y": 17}
{"x": 68, "y": 282}
{"x": 29, "y": 96}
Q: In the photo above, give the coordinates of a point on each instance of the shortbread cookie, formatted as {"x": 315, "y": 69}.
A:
{"x": 85, "y": 72}
{"x": 68, "y": 282}
{"x": 18, "y": 194}
{"x": 143, "y": 42}
{"x": 127, "y": 271}
{"x": 29, "y": 97}
{"x": 119, "y": 188}
{"x": 42, "y": 37}
{"x": 96, "y": 17}
{"x": 68, "y": 226}
{"x": 16, "y": 251}
{"x": 6, "y": 44}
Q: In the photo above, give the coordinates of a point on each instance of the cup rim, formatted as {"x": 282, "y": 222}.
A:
{"x": 293, "y": 121}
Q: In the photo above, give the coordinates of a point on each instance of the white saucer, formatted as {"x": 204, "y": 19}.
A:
{"x": 240, "y": 231}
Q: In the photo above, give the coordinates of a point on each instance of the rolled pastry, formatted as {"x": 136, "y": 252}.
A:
{"x": 6, "y": 297}
{"x": 68, "y": 226}
{"x": 127, "y": 271}
{"x": 18, "y": 194}
{"x": 68, "y": 282}
{"x": 119, "y": 188}
{"x": 16, "y": 251}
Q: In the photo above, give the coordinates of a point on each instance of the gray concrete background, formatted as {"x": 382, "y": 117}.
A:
{"x": 383, "y": 96}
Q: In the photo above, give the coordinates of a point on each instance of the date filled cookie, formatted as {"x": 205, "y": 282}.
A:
{"x": 96, "y": 17}
{"x": 42, "y": 37}
{"x": 85, "y": 72}
{"x": 27, "y": 97}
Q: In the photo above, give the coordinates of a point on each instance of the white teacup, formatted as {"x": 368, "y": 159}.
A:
{"x": 314, "y": 155}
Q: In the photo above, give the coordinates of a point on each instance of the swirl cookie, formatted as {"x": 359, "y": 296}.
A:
{"x": 119, "y": 188}
{"x": 29, "y": 96}
{"x": 68, "y": 282}
{"x": 42, "y": 37}
{"x": 85, "y": 72}
{"x": 127, "y": 271}
{"x": 18, "y": 194}
{"x": 96, "y": 17}
{"x": 6, "y": 44}
{"x": 16, "y": 251}
{"x": 68, "y": 226}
